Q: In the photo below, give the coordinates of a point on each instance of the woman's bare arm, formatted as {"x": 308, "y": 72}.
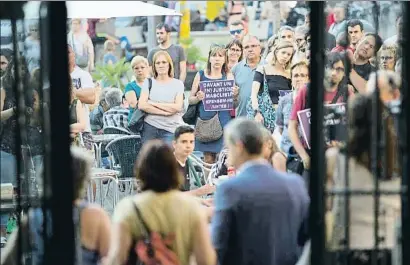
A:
{"x": 104, "y": 233}
{"x": 194, "y": 89}
{"x": 171, "y": 107}
{"x": 120, "y": 244}
{"x": 144, "y": 105}
{"x": 204, "y": 252}
{"x": 81, "y": 121}
{"x": 131, "y": 98}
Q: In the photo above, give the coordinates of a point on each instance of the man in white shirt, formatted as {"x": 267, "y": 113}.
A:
{"x": 83, "y": 83}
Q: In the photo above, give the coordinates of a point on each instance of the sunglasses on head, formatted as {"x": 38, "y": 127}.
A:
{"x": 236, "y": 31}
{"x": 216, "y": 45}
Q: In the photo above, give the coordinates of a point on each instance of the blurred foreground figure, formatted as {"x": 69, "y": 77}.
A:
{"x": 261, "y": 212}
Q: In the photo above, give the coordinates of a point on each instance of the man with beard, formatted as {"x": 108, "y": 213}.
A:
{"x": 355, "y": 30}
{"x": 336, "y": 91}
{"x": 361, "y": 70}
{"x": 176, "y": 52}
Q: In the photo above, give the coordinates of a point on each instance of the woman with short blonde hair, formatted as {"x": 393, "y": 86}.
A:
{"x": 387, "y": 57}
{"x": 132, "y": 92}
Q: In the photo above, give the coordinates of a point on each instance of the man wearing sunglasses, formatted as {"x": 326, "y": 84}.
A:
{"x": 237, "y": 30}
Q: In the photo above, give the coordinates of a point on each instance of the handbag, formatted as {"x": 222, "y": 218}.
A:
{"x": 191, "y": 114}
{"x": 208, "y": 130}
{"x": 81, "y": 60}
{"x": 136, "y": 123}
{"x": 265, "y": 107}
{"x": 294, "y": 163}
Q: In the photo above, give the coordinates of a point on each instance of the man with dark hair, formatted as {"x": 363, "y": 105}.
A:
{"x": 255, "y": 214}
{"x": 336, "y": 91}
{"x": 184, "y": 144}
{"x": 355, "y": 30}
{"x": 176, "y": 52}
{"x": 237, "y": 30}
{"x": 367, "y": 48}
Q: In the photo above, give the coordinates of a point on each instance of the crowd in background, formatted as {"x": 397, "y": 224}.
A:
{"x": 257, "y": 151}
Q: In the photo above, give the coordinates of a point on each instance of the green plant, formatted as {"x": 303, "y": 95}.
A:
{"x": 193, "y": 53}
{"x": 114, "y": 74}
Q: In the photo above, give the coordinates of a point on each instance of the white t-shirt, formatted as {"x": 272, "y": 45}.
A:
{"x": 391, "y": 41}
{"x": 83, "y": 80}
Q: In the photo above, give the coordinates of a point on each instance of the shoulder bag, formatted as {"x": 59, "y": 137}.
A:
{"x": 136, "y": 123}
{"x": 265, "y": 106}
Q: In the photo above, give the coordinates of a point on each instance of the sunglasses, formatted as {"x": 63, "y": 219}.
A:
{"x": 236, "y": 31}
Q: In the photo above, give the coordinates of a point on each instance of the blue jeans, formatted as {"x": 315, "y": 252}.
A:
{"x": 150, "y": 133}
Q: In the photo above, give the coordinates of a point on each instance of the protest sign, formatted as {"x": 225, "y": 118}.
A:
{"x": 218, "y": 95}
{"x": 334, "y": 123}
{"x": 283, "y": 93}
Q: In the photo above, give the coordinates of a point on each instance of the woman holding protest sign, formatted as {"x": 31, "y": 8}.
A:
{"x": 213, "y": 92}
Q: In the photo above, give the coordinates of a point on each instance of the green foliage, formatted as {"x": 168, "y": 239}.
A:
{"x": 114, "y": 74}
{"x": 192, "y": 51}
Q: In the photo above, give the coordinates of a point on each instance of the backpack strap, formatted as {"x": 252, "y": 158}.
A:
{"x": 146, "y": 231}
{"x": 149, "y": 86}
{"x": 337, "y": 96}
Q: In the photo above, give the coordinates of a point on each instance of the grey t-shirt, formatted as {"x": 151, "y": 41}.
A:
{"x": 164, "y": 93}
{"x": 177, "y": 55}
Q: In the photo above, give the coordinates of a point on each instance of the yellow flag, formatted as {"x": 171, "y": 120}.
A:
{"x": 213, "y": 8}
{"x": 185, "y": 27}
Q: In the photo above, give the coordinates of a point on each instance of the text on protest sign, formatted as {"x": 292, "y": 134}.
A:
{"x": 334, "y": 123}
{"x": 218, "y": 95}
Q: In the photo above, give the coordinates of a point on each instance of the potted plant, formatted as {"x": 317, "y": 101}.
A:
{"x": 113, "y": 75}
{"x": 193, "y": 54}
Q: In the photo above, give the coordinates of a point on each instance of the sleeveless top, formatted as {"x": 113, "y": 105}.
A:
{"x": 36, "y": 227}
{"x": 84, "y": 256}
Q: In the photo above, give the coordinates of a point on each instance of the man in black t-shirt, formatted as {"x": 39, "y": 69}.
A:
{"x": 361, "y": 70}
{"x": 184, "y": 144}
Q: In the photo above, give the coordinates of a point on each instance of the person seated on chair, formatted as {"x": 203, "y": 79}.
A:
{"x": 184, "y": 143}
{"x": 115, "y": 116}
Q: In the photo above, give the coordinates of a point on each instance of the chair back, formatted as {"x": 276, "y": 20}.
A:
{"x": 125, "y": 150}
{"x": 115, "y": 130}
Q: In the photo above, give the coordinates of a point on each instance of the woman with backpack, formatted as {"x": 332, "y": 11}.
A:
{"x": 163, "y": 211}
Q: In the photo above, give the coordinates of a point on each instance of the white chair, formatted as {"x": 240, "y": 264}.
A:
{"x": 103, "y": 179}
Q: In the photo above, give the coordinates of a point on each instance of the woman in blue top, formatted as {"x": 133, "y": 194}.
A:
{"x": 132, "y": 91}
{"x": 216, "y": 70}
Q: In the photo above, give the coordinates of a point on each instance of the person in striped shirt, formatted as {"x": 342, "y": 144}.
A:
{"x": 115, "y": 116}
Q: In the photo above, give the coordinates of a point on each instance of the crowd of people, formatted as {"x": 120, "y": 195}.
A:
{"x": 252, "y": 207}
